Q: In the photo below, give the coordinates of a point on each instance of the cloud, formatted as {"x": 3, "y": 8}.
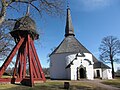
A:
{"x": 95, "y": 4}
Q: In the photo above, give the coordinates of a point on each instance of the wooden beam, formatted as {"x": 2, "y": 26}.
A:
{"x": 30, "y": 63}
{"x": 37, "y": 60}
{"x": 10, "y": 57}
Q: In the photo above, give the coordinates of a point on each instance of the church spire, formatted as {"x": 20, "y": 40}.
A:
{"x": 69, "y": 27}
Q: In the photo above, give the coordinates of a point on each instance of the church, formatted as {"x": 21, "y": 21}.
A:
{"x": 72, "y": 61}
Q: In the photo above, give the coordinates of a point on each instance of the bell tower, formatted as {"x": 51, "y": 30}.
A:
{"x": 24, "y": 34}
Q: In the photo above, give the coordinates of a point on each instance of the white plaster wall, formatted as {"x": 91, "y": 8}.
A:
{"x": 57, "y": 66}
{"x": 90, "y": 74}
{"x": 80, "y": 61}
{"x": 107, "y": 74}
{"x": 89, "y": 68}
{"x": 58, "y": 62}
{"x": 72, "y": 73}
{"x": 104, "y": 73}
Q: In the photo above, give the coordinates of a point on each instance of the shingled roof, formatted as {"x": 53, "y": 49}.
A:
{"x": 100, "y": 65}
{"x": 71, "y": 45}
{"x": 25, "y": 25}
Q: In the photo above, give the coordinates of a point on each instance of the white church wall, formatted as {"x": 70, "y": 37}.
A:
{"x": 104, "y": 73}
{"x": 72, "y": 68}
{"x": 81, "y": 61}
{"x": 90, "y": 74}
{"x": 58, "y": 62}
{"x": 73, "y": 73}
{"x": 107, "y": 74}
{"x": 89, "y": 66}
{"x": 57, "y": 67}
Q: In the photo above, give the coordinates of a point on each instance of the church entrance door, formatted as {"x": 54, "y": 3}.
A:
{"x": 81, "y": 72}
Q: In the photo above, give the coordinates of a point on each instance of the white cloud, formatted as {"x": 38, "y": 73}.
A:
{"x": 95, "y": 4}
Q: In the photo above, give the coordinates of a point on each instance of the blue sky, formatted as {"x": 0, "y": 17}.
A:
{"x": 92, "y": 20}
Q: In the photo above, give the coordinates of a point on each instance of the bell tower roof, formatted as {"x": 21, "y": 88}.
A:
{"x": 69, "y": 30}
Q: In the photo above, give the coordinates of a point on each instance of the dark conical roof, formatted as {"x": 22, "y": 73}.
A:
{"x": 25, "y": 24}
{"x": 69, "y": 27}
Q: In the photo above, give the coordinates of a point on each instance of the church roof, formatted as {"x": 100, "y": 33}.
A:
{"x": 71, "y": 45}
{"x": 100, "y": 65}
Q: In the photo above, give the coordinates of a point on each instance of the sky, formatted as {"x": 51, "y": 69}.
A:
{"x": 92, "y": 20}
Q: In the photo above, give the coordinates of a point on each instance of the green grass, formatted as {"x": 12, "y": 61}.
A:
{"x": 113, "y": 82}
{"x": 44, "y": 86}
{"x": 59, "y": 85}
{"x": 52, "y": 85}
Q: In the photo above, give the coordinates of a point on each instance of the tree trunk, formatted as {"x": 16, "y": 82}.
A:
{"x": 113, "y": 74}
{"x": 111, "y": 59}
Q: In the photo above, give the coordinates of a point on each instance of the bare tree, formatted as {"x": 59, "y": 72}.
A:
{"x": 6, "y": 41}
{"x": 51, "y": 7}
{"x": 110, "y": 49}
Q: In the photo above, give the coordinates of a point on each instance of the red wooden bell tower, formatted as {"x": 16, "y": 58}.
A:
{"x": 24, "y": 35}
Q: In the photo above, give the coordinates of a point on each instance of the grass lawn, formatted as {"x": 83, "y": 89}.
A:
{"x": 52, "y": 85}
{"x": 114, "y": 82}
{"x": 59, "y": 85}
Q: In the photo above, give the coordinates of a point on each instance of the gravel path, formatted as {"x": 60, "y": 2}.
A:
{"x": 99, "y": 84}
